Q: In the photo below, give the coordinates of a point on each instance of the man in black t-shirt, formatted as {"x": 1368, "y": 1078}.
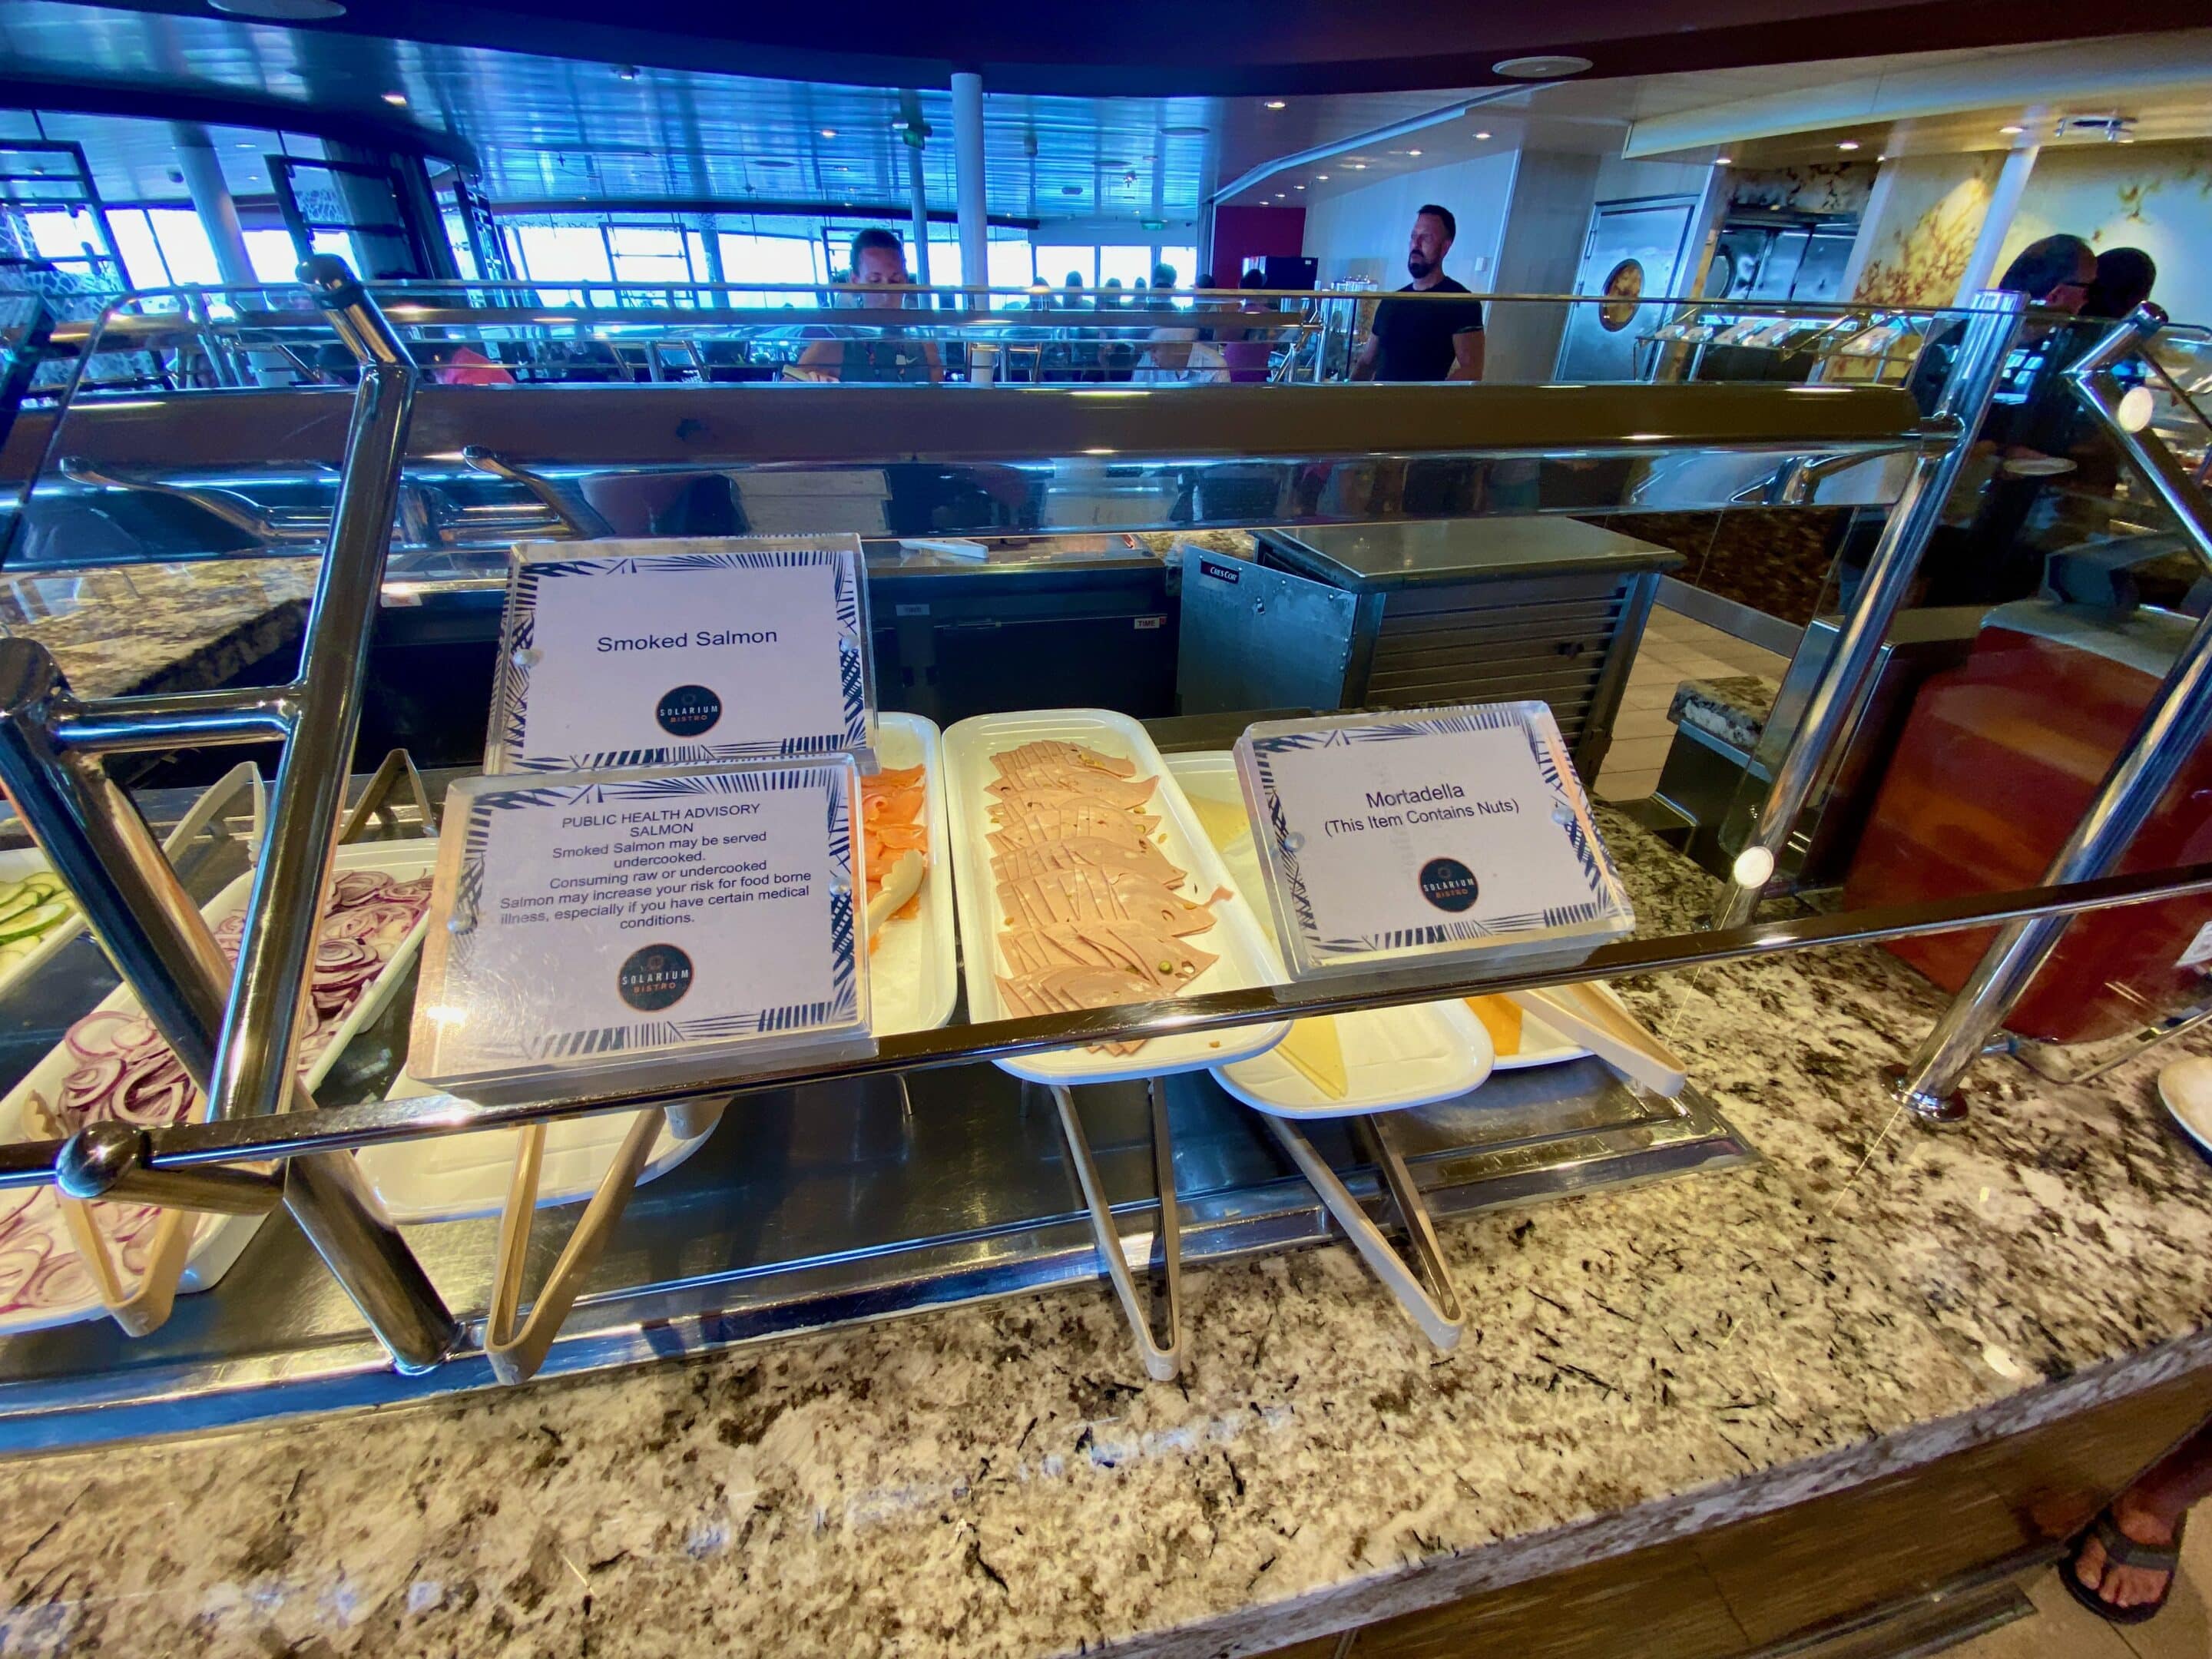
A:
{"x": 1425, "y": 339}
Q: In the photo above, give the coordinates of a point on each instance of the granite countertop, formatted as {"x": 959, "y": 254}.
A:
{"x": 182, "y": 627}
{"x": 1733, "y": 708}
{"x": 999, "y": 1479}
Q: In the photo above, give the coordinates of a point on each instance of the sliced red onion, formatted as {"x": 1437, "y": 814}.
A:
{"x": 62, "y": 1282}
{"x": 16, "y": 1205}
{"x": 357, "y": 887}
{"x": 21, "y": 1258}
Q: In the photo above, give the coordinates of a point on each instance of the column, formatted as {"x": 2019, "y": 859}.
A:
{"x": 212, "y": 202}
{"x": 968, "y": 173}
{"x": 917, "y": 192}
{"x": 1996, "y": 222}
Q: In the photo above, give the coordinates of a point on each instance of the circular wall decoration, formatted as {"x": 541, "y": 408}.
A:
{"x": 1623, "y": 293}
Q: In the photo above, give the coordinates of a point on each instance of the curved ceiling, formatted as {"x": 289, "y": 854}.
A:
{"x": 1170, "y": 47}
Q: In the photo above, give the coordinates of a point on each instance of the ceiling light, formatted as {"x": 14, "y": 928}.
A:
{"x": 1320, "y": 178}
{"x": 772, "y": 162}
{"x": 1359, "y": 167}
{"x": 1413, "y": 152}
{"x": 1297, "y": 187}
{"x": 1482, "y": 134}
{"x": 1183, "y": 132}
{"x": 2012, "y": 131}
{"x": 1723, "y": 160}
{"x": 1278, "y": 195}
{"x": 396, "y": 99}
{"x": 282, "y": 11}
{"x": 625, "y": 71}
{"x": 1544, "y": 66}
{"x": 828, "y": 132}
{"x": 1848, "y": 144}
{"x": 1276, "y": 103}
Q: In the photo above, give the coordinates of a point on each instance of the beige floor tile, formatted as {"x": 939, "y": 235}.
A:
{"x": 1631, "y": 786}
{"x": 1642, "y": 723}
{"x": 1706, "y": 668}
{"x": 1649, "y": 694}
{"x": 1637, "y": 754}
{"x": 2070, "y": 1632}
{"x": 2183, "y": 1629}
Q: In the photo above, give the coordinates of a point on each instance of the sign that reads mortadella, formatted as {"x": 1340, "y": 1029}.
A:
{"x": 1432, "y": 833}
{"x": 620, "y": 654}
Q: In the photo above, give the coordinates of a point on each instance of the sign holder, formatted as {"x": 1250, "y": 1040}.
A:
{"x": 695, "y": 667}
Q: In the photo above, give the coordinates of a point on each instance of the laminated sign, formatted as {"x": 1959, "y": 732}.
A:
{"x": 640, "y": 929}
{"x": 1430, "y": 834}
{"x": 618, "y": 654}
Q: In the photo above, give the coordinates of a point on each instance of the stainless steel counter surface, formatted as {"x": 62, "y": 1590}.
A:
{"x": 999, "y": 1479}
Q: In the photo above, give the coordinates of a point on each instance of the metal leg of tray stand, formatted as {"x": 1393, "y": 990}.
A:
{"x": 1161, "y": 1364}
{"x": 1424, "y": 1288}
{"x": 1838, "y": 698}
{"x": 2167, "y": 734}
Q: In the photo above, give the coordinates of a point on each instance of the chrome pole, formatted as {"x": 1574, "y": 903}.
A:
{"x": 1840, "y": 696}
{"x": 253, "y": 1067}
{"x": 2165, "y": 738}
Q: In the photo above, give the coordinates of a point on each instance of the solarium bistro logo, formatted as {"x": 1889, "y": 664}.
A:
{"x": 654, "y": 977}
{"x": 1449, "y": 884}
{"x": 689, "y": 710}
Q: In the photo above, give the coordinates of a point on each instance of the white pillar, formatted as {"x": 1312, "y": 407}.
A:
{"x": 212, "y": 202}
{"x": 918, "y": 189}
{"x": 1870, "y": 227}
{"x": 1996, "y": 223}
{"x": 968, "y": 175}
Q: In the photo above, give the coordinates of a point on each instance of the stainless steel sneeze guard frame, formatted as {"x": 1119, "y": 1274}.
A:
{"x": 1593, "y": 446}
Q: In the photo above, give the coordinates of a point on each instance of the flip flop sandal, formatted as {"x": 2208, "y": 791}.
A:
{"x": 2121, "y": 1550}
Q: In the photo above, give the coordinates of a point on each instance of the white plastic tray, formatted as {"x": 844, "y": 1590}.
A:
{"x": 914, "y": 984}
{"x": 219, "y": 1239}
{"x": 1235, "y": 937}
{"x": 914, "y": 973}
{"x": 1539, "y": 1045}
{"x": 1393, "y": 1057}
{"x": 22, "y": 861}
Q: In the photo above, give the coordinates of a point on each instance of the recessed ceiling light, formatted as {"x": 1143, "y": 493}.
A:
{"x": 1543, "y": 66}
{"x": 1359, "y": 167}
{"x": 1482, "y": 134}
{"x": 1276, "y": 103}
{"x": 1848, "y": 144}
{"x": 1413, "y": 152}
{"x": 398, "y": 100}
{"x": 1320, "y": 178}
{"x": 1297, "y": 187}
{"x": 2012, "y": 131}
{"x": 282, "y": 11}
{"x": 625, "y": 71}
{"x": 828, "y": 132}
{"x": 1278, "y": 195}
{"x": 244, "y": 143}
{"x": 1723, "y": 160}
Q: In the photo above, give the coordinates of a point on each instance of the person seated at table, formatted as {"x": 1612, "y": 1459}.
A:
{"x": 876, "y": 355}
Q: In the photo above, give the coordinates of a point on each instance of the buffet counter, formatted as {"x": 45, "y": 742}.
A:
{"x": 1658, "y": 1381}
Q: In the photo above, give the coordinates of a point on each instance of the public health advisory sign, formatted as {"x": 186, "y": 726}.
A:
{"x": 1433, "y": 833}
{"x": 682, "y": 652}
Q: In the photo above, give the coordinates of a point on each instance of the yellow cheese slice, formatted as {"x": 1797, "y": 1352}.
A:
{"x": 1223, "y": 821}
{"x": 1502, "y": 1016}
{"x": 1313, "y": 1048}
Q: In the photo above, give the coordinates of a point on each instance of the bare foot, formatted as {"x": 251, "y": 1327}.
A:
{"x": 2127, "y": 1587}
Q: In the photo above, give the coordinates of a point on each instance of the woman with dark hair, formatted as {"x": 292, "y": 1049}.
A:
{"x": 2125, "y": 276}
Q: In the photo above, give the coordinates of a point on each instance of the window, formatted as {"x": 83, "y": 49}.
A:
{"x": 1185, "y": 261}
{"x": 575, "y": 253}
{"x": 752, "y": 258}
{"x": 1012, "y": 265}
{"x": 655, "y": 254}
{"x": 1131, "y": 264}
{"x": 1055, "y": 264}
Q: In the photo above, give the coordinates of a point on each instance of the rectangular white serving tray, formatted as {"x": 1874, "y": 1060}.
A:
{"x": 1393, "y": 1057}
{"x": 914, "y": 984}
{"x": 1237, "y": 938}
{"x": 219, "y": 1239}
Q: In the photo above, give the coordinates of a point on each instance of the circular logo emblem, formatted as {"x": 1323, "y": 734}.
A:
{"x": 1449, "y": 884}
{"x": 654, "y": 977}
{"x": 689, "y": 710}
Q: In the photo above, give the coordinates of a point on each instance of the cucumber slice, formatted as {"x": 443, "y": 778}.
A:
{"x": 17, "y": 902}
{"x": 29, "y": 924}
{"x": 50, "y": 885}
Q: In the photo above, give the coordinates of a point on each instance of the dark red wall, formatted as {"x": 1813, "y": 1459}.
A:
{"x": 1239, "y": 233}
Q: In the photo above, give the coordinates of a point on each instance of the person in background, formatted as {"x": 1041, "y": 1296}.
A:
{"x": 2122, "y": 1568}
{"x": 1163, "y": 276}
{"x": 2125, "y": 278}
{"x": 463, "y": 364}
{"x": 1247, "y": 350}
{"x": 878, "y": 355}
{"x": 1424, "y": 340}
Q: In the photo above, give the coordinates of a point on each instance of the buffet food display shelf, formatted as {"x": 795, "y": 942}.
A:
{"x": 806, "y": 1208}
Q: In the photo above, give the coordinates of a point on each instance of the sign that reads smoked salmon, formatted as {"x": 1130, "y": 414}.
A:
{"x": 1430, "y": 833}
{"x": 619, "y": 654}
